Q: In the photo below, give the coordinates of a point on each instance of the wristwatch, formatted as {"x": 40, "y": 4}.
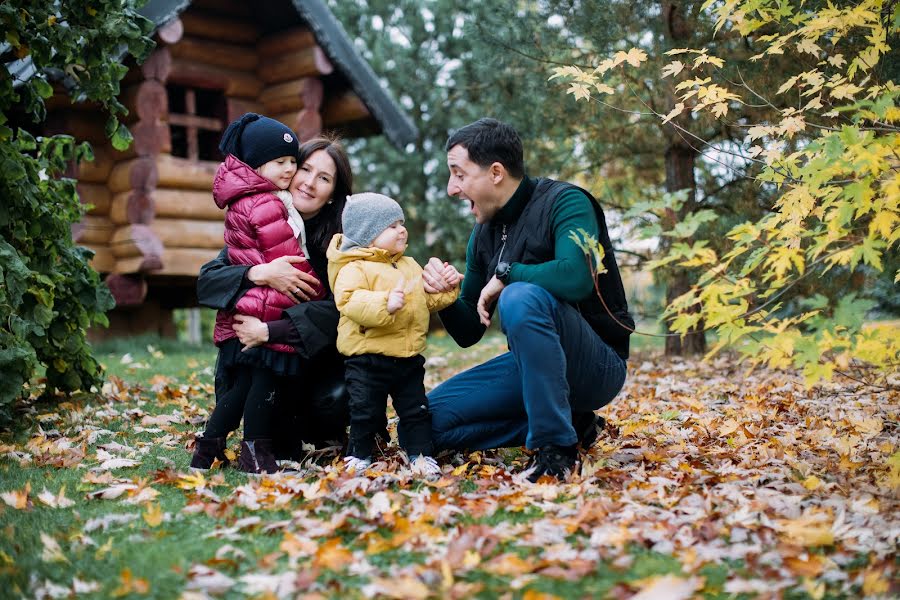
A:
{"x": 502, "y": 271}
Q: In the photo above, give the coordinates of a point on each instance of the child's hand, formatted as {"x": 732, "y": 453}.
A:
{"x": 451, "y": 275}
{"x": 396, "y": 297}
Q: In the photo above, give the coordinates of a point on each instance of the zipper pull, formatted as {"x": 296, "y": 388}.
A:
{"x": 503, "y": 234}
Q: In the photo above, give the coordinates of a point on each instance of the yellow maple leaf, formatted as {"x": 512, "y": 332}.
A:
{"x": 673, "y": 68}
{"x": 153, "y": 515}
{"x": 679, "y": 108}
{"x": 837, "y": 60}
{"x": 580, "y": 91}
{"x": 635, "y": 57}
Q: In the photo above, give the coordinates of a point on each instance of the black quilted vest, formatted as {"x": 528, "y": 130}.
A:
{"x": 530, "y": 241}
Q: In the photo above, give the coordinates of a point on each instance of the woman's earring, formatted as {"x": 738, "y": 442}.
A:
{"x": 330, "y": 202}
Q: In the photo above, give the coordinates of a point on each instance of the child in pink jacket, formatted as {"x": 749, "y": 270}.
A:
{"x": 261, "y": 160}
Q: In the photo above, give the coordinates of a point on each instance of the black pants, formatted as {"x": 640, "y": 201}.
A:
{"x": 311, "y": 407}
{"x": 370, "y": 379}
{"x": 251, "y": 396}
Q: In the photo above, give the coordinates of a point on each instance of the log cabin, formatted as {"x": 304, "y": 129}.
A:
{"x": 151, "y": 220}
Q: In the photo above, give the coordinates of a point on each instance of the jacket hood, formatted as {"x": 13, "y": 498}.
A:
{"x": 341, "y": 257}
{"x": 235, "y": 179}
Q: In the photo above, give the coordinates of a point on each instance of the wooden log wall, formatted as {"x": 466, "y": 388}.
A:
{"x": 152, "y": 213}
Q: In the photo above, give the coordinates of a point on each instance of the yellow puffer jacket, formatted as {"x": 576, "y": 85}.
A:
{"x": 361, "y": 279}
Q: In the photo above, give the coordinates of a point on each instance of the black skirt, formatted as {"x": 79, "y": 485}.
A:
{"x": 283, "y": 364}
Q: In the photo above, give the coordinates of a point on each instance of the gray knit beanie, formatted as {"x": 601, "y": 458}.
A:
{"x": 365, "y": 216}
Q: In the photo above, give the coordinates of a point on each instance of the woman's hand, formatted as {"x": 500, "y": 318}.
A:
{"x": 250, "y": 331}
{"x": 281, "y": 275}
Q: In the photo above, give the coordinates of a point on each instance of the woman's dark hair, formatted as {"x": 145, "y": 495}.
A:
{"x": 330, "y": 214}
{"x": 488, "y": 141}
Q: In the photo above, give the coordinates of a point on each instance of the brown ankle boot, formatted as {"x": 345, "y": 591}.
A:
{"x": 208, "y": 450}
{"x": 257, "y": 456}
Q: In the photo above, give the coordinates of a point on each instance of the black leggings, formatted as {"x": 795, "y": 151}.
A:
{"x": 251, "y": 396}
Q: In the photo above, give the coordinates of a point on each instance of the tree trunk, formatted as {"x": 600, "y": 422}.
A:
{"x": 680, "y": 160}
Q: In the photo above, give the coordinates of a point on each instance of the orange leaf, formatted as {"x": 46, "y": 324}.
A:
{"x": 331, "y": 555}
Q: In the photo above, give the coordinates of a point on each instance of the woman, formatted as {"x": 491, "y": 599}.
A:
{"x": 313, "y": 406}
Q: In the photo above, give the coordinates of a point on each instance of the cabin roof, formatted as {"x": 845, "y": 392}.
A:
{"x": 331, "y": 37}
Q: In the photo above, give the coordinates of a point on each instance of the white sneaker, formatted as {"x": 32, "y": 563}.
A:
{"x": 353, "y": 463}
{"x": 425, "y": 466}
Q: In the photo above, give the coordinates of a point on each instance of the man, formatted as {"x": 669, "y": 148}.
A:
{"x": 567, "y": 350}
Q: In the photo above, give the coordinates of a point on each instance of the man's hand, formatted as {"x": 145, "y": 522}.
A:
{"x": 396, "y": 297}
{"x": 439, "y": 276}
{"x": 280, "y": 275}
{"x": 250, "y": 331}
{"x": 489, "y": 295}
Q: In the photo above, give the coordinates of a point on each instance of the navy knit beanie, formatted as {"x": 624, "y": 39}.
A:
{"x": 255, "y": 140}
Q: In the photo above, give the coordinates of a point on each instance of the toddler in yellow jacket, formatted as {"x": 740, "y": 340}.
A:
{"x": 384, "y": 322}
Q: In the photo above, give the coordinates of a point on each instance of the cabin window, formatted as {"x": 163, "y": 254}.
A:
{"x": 197, "y": 118}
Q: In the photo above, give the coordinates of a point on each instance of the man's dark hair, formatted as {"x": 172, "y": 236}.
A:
{"x": 489, "y": 141}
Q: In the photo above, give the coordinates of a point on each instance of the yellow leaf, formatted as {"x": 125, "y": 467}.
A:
{"x": 673, "y": 68}
{"x": 875, "y": 583}
{"x": 679, "y": 108}
{"x": 604, "y": 89}
{"x": 580, "y": 91}
{"x": 460, "y": 469}
{"x": 837, "y": 60}
{"x": 807, "y": 532}
{"x": 809, "y": 47}
{"x": 191, "y": 481}
{"x": 103, "y": 550}
{"x": 153, "y": 515}
{"x": 812, "y": 483}
{"x": 635, "y": 57}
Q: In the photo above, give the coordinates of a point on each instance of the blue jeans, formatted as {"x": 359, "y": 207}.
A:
{"x": 556, "y": 365}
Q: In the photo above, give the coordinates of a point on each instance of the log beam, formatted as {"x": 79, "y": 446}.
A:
{"x": 103, "y": 261}
{"x": 289, "y": 40}
{"x": 146, "y": 100}
{"x": 92, "y": 230}
{"x": 306, "y": 62}
{"x": 235, "y": 107}
{"x": 95, "y": 194}
{"x": 97, "y": 170}
{"x": 133, "y": 206}
{"x": 186, "y": 204}
{"x": 181, "y": 173}
{"x": 186, "y": 261}
{"x": 220, "y": 54}
{"x": 189, "y": 233}
{"x": 135, "y": 174}
{"x": 343, "y": 109}
{"x": 218, "y": 28}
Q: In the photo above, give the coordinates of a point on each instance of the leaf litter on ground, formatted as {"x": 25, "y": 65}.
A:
{"x": 708, "y": 480}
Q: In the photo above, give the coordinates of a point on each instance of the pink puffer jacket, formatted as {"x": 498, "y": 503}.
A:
{"x": 256, "y": 232}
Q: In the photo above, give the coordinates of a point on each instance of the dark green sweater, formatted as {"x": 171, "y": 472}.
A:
{"x": 567, "y": 276}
